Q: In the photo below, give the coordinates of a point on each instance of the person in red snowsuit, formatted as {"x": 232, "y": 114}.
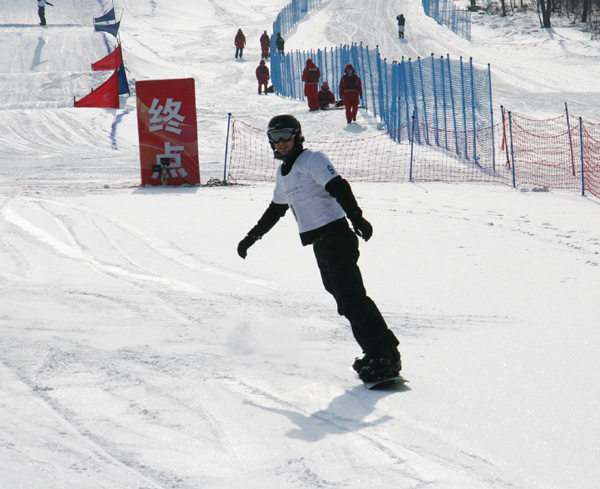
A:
{"x": 265, "y": 44}
{"x": 240, "y": 42}
{"x": 350, "y": 91}
{"x": 326, "y": 97}
{"x": 310, "y": 77}
{"x": 262, "y": 75}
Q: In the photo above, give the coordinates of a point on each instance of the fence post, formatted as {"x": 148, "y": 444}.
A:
{"x": 371, "y": 79}
{"x": 452, "y": 100}
{"x": 464, "y": 107}
{"x": 380, "y": 85}
{"x": 444, "y": 103}
{"x": 570, "y": 139}
{"x": 226, "y": 146}
{"x": 492, "y": 118}
{"x": 424, "y": 101}
{"x": 473, "y": 110}
{"x": 582, "y": 165}
{"x": 512, "y": 153}
{"x": 365, "y": 101}
{"x": 412, "y": 143}
{"x": 435, "y": 108}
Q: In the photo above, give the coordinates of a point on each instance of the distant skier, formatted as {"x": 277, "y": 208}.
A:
{"x": 401, "y": 21}
{"x": 326, "y": 97}
{"x": 262, "y": 75}
{"x": 240, "y": 42}
{"x": 265, "y": 44}
{"x": 322, "y": 202}
{"x": 280, "y": 43}
{"x": 350, "y": 91}
{"x": 310, "y": 77}
{"x": 42, "y": 11}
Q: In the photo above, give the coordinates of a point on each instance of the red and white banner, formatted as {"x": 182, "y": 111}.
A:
{"x": 106, "y": 95}
{"x": 168, "y": 131}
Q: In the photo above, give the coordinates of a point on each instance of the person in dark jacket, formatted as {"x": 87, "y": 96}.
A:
{"x": 240, "y": 43}
{"x": 350, "y": 92}
{"x": 322, "y": 202}
{"x": 265, "y": 44}
{"x": 280, "y": 43}
{"x": 310, "y": 77}
{"x": 42, "y": 11}
{"x": 401, "y": 21}
{"x": 262, "y": 75}
{"x": 326, "y": 97}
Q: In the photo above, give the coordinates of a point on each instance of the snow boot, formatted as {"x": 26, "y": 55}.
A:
{"x": 382, "y": 366}
{"x": 359, "y": 363}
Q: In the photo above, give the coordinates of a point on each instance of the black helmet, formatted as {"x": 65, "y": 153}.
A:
{"x": 278, "y": 126}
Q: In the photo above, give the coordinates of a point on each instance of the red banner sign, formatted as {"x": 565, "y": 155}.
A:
{"x": 168, "y": 132}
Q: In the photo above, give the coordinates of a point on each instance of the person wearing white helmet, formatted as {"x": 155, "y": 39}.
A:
{"x": 322, "y": 202}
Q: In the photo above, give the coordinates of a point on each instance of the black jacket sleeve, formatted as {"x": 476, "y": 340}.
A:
{"x": 271, "y": 216}
{"x": 340, "y": 189}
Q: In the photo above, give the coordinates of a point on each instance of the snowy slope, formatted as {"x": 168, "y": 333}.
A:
{"x": 138, "y": 351}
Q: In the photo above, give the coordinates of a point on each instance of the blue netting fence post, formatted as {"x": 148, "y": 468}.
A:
{"x": 412, "y": 143}
{"x": 512, "y": 151}
{"x": 475, "y": 158}
{"x": 226, "y": 148}
{"x": 570, "y": 139}
{"x": 492, "y": 118}
{"x": 582, "y": 159}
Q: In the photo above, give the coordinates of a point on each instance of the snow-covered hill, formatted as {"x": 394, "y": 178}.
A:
{"x": 137, "y": 350}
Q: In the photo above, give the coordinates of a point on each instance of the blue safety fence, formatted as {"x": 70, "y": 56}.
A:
{"x": 444, "y": 96}
{"x": 288, "y": 18}
{"x": 449, "y": 15}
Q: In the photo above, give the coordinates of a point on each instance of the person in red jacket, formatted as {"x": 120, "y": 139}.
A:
{"x": 350, "y": 91}
{"x": 262, "y": 75}
{"x": 240, "y": 42}
{"x": 326, "y": 97}
{"x": 265, "y": 44}
{"x": 310, "y": 77}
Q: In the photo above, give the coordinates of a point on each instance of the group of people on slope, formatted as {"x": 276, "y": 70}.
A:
{"x": 350, "y": 90}
{"x": 265, "y": 44}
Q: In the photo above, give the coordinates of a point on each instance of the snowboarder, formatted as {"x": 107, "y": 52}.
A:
{"x": 310, "y": 77}
{"x": 321, "y": 201}
{"x": 350, "y": 91}
{"x": 280, "y": 43}
{"x": 265, "y": 44}
{"x": 42, "y": 11}
{"x": 240, "y": 43}
{"x": 262, "y": 75}
{"x": 326, "y": 97}
{"x": 401, "y": 20}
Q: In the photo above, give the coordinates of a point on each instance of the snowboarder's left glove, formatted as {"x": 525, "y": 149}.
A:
{"x": 244, "y": 245}
{"x": 363, "y": 228}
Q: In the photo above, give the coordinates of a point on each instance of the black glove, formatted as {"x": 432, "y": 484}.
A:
{"x": 244, "y": 245}
{"x": 363, "y": 228}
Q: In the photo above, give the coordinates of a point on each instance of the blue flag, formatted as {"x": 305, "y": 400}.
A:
{"x": 123, "y": 83}
{"x": 110, "y": 15}
{"x": 110, "y": 28}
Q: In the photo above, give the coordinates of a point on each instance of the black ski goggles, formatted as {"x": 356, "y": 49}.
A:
{"x": 277, "y": 135}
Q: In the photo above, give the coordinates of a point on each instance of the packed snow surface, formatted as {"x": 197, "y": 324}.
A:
{"x": 137, "y": 350}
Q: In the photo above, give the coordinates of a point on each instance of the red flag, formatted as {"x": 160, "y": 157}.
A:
{"x": 106, "y": 95}
{"x": 112, "y": 61}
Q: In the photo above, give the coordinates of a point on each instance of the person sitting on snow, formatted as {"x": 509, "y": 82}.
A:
{"x": 326, "y": 96}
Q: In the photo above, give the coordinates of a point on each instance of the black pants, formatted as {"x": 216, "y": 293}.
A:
{"x": 337, "y": 256}
{"x": 239, "y": 51}
{"x": 42, "y": 14}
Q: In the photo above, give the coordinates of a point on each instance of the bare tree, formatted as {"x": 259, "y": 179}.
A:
{"x": 586, "y": 9}
{"x": 546, "y": 7}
